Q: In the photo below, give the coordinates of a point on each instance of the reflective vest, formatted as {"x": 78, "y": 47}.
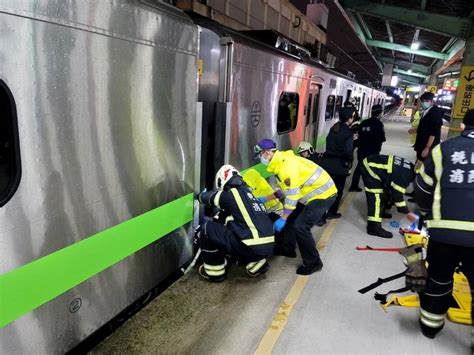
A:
{"x": 260, "y": 187}
{"x": 300, "y": 179}
{"x": 446, "y": 179}
{"x": 245, "y": 216}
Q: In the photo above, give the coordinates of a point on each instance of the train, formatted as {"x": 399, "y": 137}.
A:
{"x": 114, "y": 115}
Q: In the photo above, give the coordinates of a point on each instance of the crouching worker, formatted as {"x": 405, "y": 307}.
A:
{"x": 306, "y": 185}
{"x": 247, "y": 231}
{"x": 385, "y": 174}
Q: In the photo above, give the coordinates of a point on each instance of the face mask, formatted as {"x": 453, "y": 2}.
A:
{"x": 426, "y": 104}
{"x": 264, "y": 161}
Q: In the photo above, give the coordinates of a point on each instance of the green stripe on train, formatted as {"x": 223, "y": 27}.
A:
{"x": 34, "y": 284}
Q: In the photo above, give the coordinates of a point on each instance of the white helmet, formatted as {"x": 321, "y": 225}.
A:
{"x": 224, "y": 174}
{"x": 305, "y": 146}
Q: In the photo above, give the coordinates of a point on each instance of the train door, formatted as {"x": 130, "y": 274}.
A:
{"x": 311, "y": 128}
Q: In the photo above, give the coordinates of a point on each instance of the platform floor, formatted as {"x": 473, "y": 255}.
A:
{"x": 284, "y": 313}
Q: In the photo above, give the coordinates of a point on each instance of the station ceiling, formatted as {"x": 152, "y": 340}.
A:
{"x": 389, "y": 30}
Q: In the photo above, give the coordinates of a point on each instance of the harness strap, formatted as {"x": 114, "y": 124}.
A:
{"x": 382, "y": 297}
{"x": 381, "y": 281}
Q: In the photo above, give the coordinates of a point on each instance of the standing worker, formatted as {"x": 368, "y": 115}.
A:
{"x": 371, "y": 137}
{"x": 339, "y": 155}
{"x": 444, "y": 190}
{"x": 428, "y": 133}
{"x": 307, "y": 185}
{"x": 384, "y": 175}
{"x": 247, "y": 231}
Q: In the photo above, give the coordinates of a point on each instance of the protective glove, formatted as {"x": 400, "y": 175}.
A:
{"x": 279, "y": 224}
{"x": 416, "y": 274}
{"x": 278, "y": 194}
{"x": 262, "y": 199}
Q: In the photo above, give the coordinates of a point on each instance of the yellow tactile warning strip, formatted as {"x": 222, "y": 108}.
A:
{"x": 280, "y": 319}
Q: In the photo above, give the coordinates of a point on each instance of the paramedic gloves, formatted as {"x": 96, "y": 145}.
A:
{"x": 262, "y": 199}
{"x": 279, "y": 224}
{"x": 416, "y": 273}
{"x": 278, "y": 194}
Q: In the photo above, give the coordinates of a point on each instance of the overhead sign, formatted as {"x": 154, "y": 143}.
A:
{"x": 450, "y": 84}
{"x": 432, "y": 88}
{"x": 464, "y": 97}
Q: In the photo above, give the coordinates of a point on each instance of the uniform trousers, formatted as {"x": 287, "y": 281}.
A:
{"x": 298, "y": 229}
{"x": 443, "y": 259}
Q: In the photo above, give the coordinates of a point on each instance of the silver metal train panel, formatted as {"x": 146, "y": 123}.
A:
{"x": 105, "y": 94}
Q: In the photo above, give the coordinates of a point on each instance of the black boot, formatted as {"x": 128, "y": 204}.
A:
{"x": 375, "y": 228}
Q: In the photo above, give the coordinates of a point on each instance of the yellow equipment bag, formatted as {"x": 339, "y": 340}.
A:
{"x": 260, "y": 187}
{"x": 461, "y": 291}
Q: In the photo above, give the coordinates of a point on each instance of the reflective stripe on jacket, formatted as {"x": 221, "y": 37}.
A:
{"x": 445, "y": 184}
{"x": 301, "y": 179}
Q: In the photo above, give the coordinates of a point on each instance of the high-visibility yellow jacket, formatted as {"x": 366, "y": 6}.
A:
{"x": 414, "y": 124}
{"x": 300, "y": 179}
{"x": 260, "y": 187}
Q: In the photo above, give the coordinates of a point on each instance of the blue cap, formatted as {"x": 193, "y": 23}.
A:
{"x": 264, "y": 144}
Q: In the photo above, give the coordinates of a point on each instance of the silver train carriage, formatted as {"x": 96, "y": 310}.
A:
{"x": 107, "y": 137}
{"x": 250, "y": 90}
{"x": 97, "y": 162}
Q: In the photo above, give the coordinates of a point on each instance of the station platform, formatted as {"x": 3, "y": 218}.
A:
{"x": 283, "y": 313}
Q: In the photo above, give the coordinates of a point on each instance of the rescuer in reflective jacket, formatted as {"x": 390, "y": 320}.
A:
{"x": 444, "y": 191}
{"x": 304, "y": 184}
{"x": 246, "y": 232}
{"x": 383, "y": 176}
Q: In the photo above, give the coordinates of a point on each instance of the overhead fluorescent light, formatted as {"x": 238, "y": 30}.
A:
{"x": 394, "y": 81}
{"x": 415, "y": 46}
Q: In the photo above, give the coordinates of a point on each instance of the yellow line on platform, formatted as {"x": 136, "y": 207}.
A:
{"x": 280, "y": 319}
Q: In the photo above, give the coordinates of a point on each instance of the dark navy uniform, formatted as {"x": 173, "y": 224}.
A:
{"x": 371, "y": 136}
{"x": 444, "y": 189}
{"x": 389, "y": 175}
{"x": 246, "y": 231}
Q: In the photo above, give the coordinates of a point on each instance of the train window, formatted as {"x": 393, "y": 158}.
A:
{"x": 10, "y": 170}
{"x": 330, "y": 103}
{"x": 316, "y": 104}
{"x": 308, "y": 112}
{"x": 287, "y": 112}
{"x": 338, "y": 106}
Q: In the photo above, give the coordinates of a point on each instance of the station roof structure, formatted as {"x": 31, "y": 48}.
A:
{"x": 420, "y": 37}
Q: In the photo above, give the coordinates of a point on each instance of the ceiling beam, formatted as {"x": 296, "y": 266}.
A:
{"x": 448, "y": 25}
{"x": 390, "y": 36}
{"x": 406, "y": 49}
{"x": 408, "y": 65}
{"x": 402, "y": 71}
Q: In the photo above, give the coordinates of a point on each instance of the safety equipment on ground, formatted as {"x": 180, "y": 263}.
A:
{"x": 381, "y": 281}
{"x": 303, "y": 147}
{"x": 369, "y": 248}
{"x": 279, "y": 224}
{"x": 224, "y": 175}
{"x": 416, "y": 272}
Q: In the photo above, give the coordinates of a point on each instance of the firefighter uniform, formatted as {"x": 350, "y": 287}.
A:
{"x": 306, "y": 184}
{"x": 385, "y": 175}
{"x": 246, "y": 232}
{"x": 444, "y": 189}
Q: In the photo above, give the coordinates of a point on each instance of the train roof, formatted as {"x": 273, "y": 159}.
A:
{"x": 268, "y": 40}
